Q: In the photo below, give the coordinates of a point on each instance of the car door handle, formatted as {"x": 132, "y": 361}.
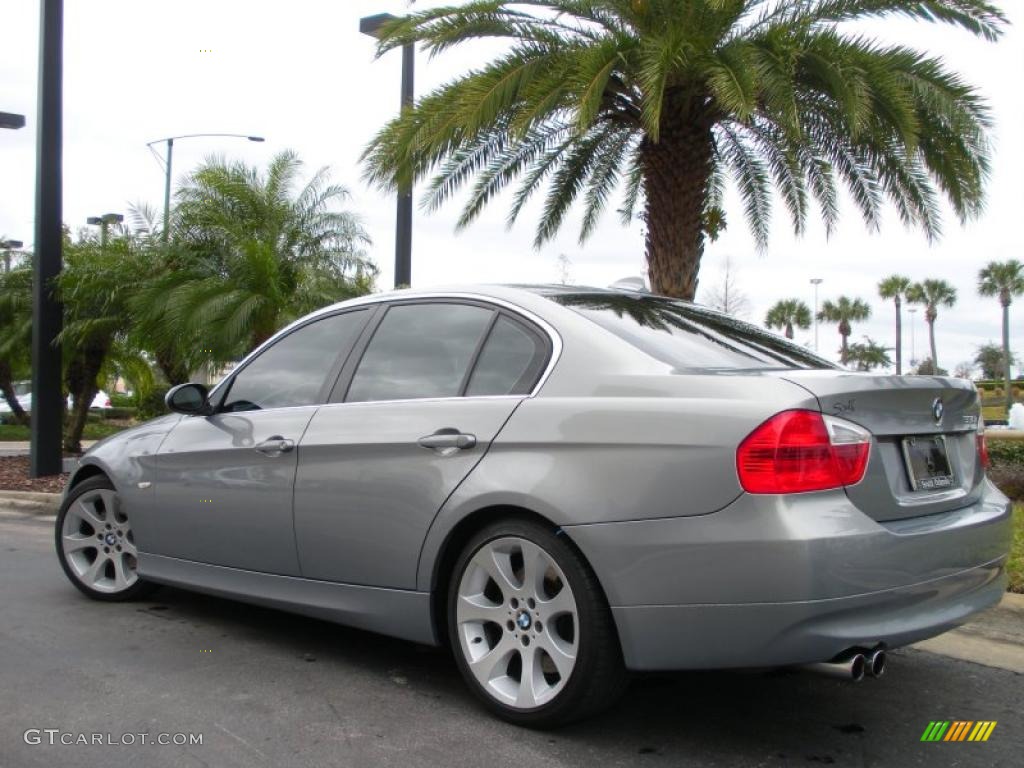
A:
{"x": 275, "y": 446}
{"x": 447, "y": 441}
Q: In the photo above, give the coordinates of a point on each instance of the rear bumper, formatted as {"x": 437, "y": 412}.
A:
{"x": 786, "y": 580}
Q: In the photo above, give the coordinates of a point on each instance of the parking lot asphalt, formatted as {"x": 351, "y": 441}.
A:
{"x": 266, "y": 688}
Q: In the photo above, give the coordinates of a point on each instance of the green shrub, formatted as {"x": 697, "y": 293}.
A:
{"x": 120, "y": 412}
{"x": 1006, "y": 451}
{"x": 121, "y": 400}
{"x": 151, "y": 405}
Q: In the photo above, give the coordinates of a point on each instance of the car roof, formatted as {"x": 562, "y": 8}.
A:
{"x": 505, "y": 291}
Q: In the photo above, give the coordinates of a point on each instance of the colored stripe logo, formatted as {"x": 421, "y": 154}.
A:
{"x": 958, "y": 730}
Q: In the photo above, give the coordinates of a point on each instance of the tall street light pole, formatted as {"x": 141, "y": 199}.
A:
{"x": 371, "y": 25}
{"x": 7, "y": 246}
{"x": 816, "y": 281}
{"x": 103, "y": 222}
{"x": 45, "y": 456}
{"x": 167, "y": 167}
{"x": 913, "y": 346}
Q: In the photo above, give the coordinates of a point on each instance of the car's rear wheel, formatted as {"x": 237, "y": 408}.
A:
{"x": 530, "y": 627}
{"x": 96, "y": 544}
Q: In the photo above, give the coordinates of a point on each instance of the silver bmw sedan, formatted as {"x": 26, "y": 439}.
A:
{"x": 561, "y": 485}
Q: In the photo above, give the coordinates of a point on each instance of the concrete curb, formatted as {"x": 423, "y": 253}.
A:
{"x": 994, "y": 638}
{"x": 31, "y": 502}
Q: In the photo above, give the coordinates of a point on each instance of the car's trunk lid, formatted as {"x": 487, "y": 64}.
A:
{"x": 905, "y": 414}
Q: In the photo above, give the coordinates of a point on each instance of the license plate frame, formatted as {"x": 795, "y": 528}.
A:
{"x": 928, "y": 472}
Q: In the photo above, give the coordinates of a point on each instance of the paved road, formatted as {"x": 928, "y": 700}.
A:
{"x": 269, "y": 689}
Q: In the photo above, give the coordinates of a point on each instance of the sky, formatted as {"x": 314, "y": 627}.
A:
{"x": 301, "y": 75}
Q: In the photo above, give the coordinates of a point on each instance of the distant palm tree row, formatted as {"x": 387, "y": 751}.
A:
{"x": 1003, "y": 280}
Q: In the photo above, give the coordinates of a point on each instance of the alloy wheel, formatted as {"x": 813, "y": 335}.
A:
{"x": 517, "y": 622}
{"x": 98, "y": 543}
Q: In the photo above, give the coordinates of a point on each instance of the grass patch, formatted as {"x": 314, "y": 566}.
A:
{"x": 94, "y": 430}
{"x": 1015, "y": 565}
{"x": 993, "y": 413}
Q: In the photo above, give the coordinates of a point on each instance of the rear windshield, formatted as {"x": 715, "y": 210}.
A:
{"x": 688, "y": 337}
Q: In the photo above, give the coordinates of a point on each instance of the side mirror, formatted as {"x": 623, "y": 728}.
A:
{"x": 189, "y": 399}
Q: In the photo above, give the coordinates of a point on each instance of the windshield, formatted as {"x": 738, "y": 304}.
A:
{"x": 688, "y": 337}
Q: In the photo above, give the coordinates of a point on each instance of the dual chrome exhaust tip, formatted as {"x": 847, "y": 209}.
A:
{"x": 853, "y": 666}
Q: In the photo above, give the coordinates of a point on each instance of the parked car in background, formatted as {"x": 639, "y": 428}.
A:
{"x": 561, "y": 484}
{"x": 23, "y": 391}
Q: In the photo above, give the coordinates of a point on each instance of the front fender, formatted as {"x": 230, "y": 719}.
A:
{"x": 129, "y": 460}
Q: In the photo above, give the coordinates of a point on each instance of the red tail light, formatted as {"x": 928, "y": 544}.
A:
{"x": 798, "y": 451}
{"x": 982, "y": 445}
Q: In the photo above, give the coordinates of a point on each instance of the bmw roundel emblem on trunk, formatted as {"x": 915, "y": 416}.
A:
{"x": 937, "y": 409}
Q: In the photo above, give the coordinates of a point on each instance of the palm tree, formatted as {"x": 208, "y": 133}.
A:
{"x": 895, "y": 287}
{"x": 844, "y": 311}
{"x": 671, "y": 98}
{"x": 868, "y": 355}
{"x": 15, "y": 333}
{"x": 251, "y": 253}
{"x": 787, "y": 313}
{"x": 991, "y": 358}
{"x": 97, "y": 322}
{"x": 933, "y": 294}
{"x": 1004, "y": 279}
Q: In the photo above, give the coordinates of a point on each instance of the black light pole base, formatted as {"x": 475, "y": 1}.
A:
{"x": 45, "y": 457}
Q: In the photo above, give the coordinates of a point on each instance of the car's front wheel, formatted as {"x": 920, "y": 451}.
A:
{"x": 530, "y": 628}
{"x": 96, "y": 545}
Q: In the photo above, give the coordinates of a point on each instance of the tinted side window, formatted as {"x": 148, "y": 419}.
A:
{"x": 509, "y": 363}
{"x": 293, "y": 370}
{"x": 419, "y": 350}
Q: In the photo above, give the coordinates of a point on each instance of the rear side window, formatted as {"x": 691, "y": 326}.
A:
{"x": 510, "y": 361}
{"x": 688, "y": 337}
{"x": 293, "y": 370}
{"x": 420, "y": 351}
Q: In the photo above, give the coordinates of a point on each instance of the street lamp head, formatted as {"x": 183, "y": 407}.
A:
{"x": 11, "y": 120}
{"x": 255, "y": 138}
{"x": 106, "y": 218}
{"x": 371, "y": 25}
{"x": 12, "y": 245}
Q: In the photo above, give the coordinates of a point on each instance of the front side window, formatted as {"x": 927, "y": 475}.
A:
{"x": 420, "y": 351}
{"x": 293, "y": 370}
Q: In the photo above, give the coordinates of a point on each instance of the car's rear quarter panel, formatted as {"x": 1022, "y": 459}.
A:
{"x": 642, "y": 447}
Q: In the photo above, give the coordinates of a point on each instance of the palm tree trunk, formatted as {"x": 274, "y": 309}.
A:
{"x": 931, "y": 342}
{"x": 82, "y": 375}
{"x": 7, "y": 389}
{"x": 1006, "y": 356}
{"x": 789, "y": 330}
{"x": 899, "y": 337}
{"x": 174, "y": 370}
{"x": 844, "y": 350}
{"x": 676, "y": 170}
{"x": 76, "y": 422}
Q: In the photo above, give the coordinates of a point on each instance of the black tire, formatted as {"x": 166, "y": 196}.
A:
{"x": 136, "y": 591}
{"x": 598, "y": 677}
